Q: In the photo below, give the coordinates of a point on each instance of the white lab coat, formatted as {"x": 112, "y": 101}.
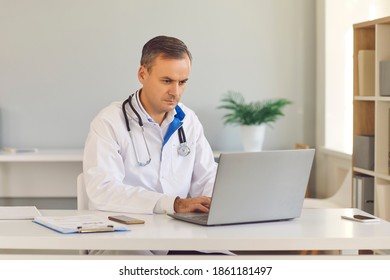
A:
{"x": 114, "y": 180}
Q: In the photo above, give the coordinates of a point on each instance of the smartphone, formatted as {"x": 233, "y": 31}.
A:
{"x": 123, "y": 219}
{"x": 361, "y": 218}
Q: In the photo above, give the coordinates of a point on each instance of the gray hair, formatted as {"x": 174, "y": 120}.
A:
{"x": 167, "y": 47}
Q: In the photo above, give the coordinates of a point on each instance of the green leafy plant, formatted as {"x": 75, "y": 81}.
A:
{"x": 253, "y": 113}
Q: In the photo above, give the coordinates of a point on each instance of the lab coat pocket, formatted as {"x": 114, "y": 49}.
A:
{"x": 182, "y": 162}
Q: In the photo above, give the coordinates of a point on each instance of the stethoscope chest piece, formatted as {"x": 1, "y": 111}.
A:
{"x": 183, "y": 150}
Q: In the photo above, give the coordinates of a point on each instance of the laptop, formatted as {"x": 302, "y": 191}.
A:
{"x": 256, "y": 187}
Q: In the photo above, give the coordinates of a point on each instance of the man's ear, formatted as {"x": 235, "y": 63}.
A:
{"x": 142, "y": 72}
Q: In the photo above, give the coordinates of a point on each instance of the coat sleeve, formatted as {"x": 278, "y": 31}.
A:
{"x": 104, "y": 174}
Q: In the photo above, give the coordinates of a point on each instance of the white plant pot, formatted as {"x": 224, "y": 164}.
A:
{"x": 252, "y": 137}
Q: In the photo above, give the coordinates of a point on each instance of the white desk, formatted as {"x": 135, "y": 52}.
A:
{"x": 316, "y": 229}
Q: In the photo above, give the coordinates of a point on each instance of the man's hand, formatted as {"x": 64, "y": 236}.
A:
{"x": 196, "y": 204}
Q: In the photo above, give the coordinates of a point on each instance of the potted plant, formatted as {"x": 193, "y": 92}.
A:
{"x": 252, "y": 117}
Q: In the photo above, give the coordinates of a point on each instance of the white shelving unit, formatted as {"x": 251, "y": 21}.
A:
{"x": 46, "y": 174}
{"x": 371, "y": 113}
{"x": 43, "y": 156}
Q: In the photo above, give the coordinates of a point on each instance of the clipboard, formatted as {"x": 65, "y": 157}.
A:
{"x": 79, "y": 224}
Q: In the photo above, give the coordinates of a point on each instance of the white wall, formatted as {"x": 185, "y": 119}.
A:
{"x": 62, "y": 61}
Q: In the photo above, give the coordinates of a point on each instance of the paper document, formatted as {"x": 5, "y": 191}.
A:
{"x": 79, "y": 224}
{"x": 18, "y": 212}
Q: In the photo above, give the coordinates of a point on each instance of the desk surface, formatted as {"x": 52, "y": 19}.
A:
{"x": 316, "y": 229}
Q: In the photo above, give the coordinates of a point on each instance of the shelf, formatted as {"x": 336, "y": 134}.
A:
{"x": 364, "y": 171}
{"x": 371, "y": 24}
{"x": 383, "y": 176}
{"x": 45, "y": 174}
{"x": 372, "y": 98}
{"x": 372, "y": 173}
{"x": 364, "y": 98}
{"x": 74, "y": 155}
{"x": 371, "y": 113}
{"x": 383, "y": 98}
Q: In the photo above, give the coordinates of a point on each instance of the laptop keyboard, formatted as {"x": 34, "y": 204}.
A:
{"x": 201, "y": 217}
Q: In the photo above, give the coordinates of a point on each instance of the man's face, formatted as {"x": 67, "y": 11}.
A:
{"x": 163, "y": 85}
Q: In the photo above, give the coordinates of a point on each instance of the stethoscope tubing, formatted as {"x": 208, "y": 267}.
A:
{"x": 183, "y": 149}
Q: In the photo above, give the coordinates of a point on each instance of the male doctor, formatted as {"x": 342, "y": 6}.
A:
{"x": 148, "y": 154}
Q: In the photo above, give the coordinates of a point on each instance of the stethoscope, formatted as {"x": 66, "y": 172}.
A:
{"x": 183, "y": 149}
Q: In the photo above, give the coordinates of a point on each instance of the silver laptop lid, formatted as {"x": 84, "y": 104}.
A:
{"x": 260, "y": 186}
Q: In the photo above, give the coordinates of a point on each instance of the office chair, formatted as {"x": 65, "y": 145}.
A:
{"x": 82, "y": 197}
{"x": 342, "y": 198}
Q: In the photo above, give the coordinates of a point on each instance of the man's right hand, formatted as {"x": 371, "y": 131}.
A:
{"x": 196, "y": 204}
